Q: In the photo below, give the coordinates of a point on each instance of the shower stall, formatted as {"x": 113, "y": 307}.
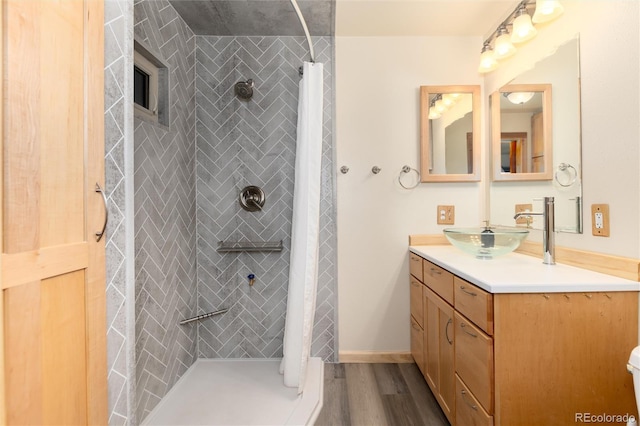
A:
{"x": 175, "y": 194}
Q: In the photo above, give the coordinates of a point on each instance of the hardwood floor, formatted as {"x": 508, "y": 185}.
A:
{"x": 377, "y": 395}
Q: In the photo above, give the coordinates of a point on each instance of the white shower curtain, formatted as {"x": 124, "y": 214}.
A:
{"x": 303, "y": 269}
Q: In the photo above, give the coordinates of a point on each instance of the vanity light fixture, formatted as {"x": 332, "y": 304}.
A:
{"x": 436, "y": 107}
{"x": 488, "y": 61}
{"x": 522, "y": 29}
{"x": 519, "y": 98}
{"x": 547, "y": 10}
{"x": 448, "y": 100}
{"x": 504, "y": 48}
{"x": 440, "y": 103}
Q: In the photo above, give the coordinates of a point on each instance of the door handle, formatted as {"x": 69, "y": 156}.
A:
{"x": 100, "y": 234}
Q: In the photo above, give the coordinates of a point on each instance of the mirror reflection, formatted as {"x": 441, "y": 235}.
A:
{"x": 523, "y": 145}
{"x": 524, "y": 188}
{"x": 449, "y": 133}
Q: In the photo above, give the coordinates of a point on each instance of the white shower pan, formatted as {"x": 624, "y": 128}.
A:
{"x": 240, "y": 392}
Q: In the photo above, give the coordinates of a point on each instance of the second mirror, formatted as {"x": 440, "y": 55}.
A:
{"x": 449, "y": 133}
{"x": 521, "y": 132}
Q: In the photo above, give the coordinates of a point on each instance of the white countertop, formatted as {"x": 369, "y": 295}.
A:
{"x": 519, "y": 273}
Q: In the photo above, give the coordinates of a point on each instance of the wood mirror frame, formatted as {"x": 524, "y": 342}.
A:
{"x": 425, "y": 140}
{"x": 497, "y": 133}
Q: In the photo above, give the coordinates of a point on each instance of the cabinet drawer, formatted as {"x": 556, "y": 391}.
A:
{"x": 415, "y": 266}
{"x": 417, "y": 348}
{"x": 474, "y": 303}
{"x": 416, "y": 301}
{"x": 469, "y": 411}
{"x": 474, "y": 360}
{"x": 439, "y": 280}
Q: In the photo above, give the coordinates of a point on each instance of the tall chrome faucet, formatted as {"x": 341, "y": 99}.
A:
{"x": 548, "y": 239}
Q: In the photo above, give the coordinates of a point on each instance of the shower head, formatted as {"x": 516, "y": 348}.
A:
{"x": 244, "y": 89}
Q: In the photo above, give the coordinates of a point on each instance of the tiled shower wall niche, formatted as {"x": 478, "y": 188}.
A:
{"x": 241, "y": 143}
{"x": 165, "y": 231}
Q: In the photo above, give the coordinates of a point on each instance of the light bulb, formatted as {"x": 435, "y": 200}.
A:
{"x": 433, "y": 114}
{"x": 547, "y": 10}
{"x": 523, "y": 29}
{"x": 487, "y": 60}
{"x": 448, "y": 99}
{"x": 519, "y": 98}
{"x": 504, "y": 48}
{"x": 440, "y": 106}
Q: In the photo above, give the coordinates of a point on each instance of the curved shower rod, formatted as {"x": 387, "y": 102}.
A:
{"x": 306, "y": 30}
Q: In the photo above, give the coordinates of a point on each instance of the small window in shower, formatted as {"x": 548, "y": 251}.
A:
{"x": 150, "y": 91}
{"x": 141, "y": 81}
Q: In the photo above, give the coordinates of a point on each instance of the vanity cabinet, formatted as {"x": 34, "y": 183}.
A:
{"x": 522, "y": 358}
{"x": 432, "y": 322}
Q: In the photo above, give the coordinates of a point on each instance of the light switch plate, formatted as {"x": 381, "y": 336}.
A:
{"x": 446, "y": 215}
{"x": 600, "y": 220}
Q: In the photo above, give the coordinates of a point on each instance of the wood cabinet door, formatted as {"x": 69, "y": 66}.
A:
{"x": 52, "y": 266}
{"x": 431, "y": 347}
{"x": 439, "y": 351}
{"x": 447, "y": 389}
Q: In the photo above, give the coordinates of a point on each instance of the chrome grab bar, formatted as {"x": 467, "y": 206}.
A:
{"x": 203, "y": 316}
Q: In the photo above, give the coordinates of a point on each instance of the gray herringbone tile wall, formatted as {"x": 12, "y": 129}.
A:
{"x": 165, "y": 239}
{"x": 242, "y": 143}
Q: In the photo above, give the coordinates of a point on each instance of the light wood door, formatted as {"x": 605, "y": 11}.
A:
{"x": 537, "y": 138}
{"x": 52, "y": 267}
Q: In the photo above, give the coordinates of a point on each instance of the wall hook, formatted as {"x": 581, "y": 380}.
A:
{"x": 375, "y": 170}
{"x": 344, "y": 170}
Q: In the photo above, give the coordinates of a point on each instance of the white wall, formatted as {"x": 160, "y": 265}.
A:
{"x": 377, "y": 124}
{"x": 377, "y": 108}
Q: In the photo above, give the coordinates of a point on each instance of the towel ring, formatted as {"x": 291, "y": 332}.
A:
{"x": 564, "y": 167}
{"x": 407, "y": 169}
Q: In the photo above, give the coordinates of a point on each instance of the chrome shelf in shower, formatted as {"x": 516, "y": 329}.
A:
{"x": 248, "y": 246}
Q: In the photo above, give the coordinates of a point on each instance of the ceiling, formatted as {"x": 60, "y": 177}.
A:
{"x": 352, "y": 17}
{"x": 256, "y": 17}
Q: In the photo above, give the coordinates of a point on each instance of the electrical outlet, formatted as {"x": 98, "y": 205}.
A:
{"x": 600, "y": 220}
{"x": 446, "y": 215}
{"x": 523, "y": 220}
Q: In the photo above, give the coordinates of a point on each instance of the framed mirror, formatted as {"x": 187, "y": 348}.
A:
{"x": 450, "y": 133}
{"x": 521, "y": 136}
{"x": 560, "y": 69}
